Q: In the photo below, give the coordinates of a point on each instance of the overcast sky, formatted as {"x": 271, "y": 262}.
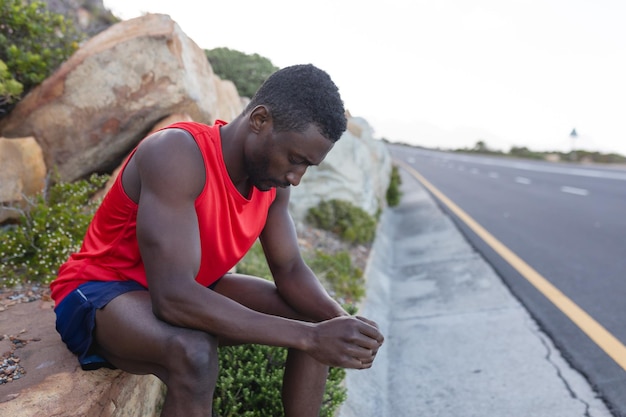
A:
{"x": 441, "y": 73}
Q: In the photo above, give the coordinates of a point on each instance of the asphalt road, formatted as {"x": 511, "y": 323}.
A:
{"x": 457, "y": 342}
{"x": 567, "y": 222}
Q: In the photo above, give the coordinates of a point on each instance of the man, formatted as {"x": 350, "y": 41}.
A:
{"x": 187, "y": 205}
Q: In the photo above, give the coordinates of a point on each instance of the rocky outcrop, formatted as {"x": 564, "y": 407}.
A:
{"x": 357, "y": 169}
{"x": 52, "y": 383}
{"x": 103, "y": 100}
{"x": 22, "y": 173}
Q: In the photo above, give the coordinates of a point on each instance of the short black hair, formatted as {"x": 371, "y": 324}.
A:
{"x": 301, "y": 95}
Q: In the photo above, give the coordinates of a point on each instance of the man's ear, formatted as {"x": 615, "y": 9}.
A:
{"x": 260, "y": 118}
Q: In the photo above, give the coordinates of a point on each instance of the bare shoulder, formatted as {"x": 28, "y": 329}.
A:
{"x": 167, "y": 146}
{"x": 170, "y": 159}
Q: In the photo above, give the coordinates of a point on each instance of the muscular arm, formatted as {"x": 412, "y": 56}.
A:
{"x": 294, "y": 279}
{"x": 168, "y": 174}
{"x": 171, "y": 174}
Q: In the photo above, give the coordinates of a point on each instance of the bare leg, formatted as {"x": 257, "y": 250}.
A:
{"x": 304, "y": 379}
{"x": 133, "y": 339}
{"x": 303, "y": 385}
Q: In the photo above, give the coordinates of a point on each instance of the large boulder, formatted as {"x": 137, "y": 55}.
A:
{"x": 357, "y": 170}
{"x": 103, "y": 100}
{"x": 22, "y": 173}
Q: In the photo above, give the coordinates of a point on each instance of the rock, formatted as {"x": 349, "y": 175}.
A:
{"x": 103, "y": 100}
{"x": 23, "y": 173}
{"x": 53, "y": 383}
{"x": 229, "y": 104}
{"x": 357, "y": 169}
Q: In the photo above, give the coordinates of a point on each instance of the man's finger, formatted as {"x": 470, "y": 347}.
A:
{"x": 371, "y": 330}
{"x": 368, "y": 321}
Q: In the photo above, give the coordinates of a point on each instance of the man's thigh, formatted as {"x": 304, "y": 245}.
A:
{"x": 132, "y": 338}
{"x": 257, "y": 294}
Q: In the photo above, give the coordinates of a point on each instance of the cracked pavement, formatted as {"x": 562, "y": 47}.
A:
{"x": 458, "y": 343}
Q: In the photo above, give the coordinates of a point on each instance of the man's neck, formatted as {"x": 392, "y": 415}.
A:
{"x": 233, "y": 136}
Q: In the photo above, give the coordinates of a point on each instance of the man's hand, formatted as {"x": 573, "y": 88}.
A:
{"x": 347, "y": 342}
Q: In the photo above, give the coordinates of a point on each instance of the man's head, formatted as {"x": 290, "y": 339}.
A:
{"x": 299, "y": 96}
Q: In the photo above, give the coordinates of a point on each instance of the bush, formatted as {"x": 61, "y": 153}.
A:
{"x": 34, "y": 41}
{"x": 49, "y": 230}
{"x": 345, "y": 280}
{"x": 250, "y": 381}
{"x": 349, "y": 222}
{"x": 10, "y": 88}
{"x": 393, "y": 192}
{"x": 247, "y": 72}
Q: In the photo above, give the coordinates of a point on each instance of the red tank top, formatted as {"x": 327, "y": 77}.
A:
{"x": 229, "y": 225}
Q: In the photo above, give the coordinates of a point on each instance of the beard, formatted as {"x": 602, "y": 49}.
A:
{"x": 258, "y": 174}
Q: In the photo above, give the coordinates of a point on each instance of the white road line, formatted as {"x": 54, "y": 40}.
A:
{"x": 522, "y": 180}
{"x": 574, "y": 190}
{"x": 494, "y": 175}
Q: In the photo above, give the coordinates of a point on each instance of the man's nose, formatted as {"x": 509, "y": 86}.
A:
{"x": 295, "y": 175}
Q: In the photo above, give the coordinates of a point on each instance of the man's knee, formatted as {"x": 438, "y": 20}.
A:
{"x": 193, "y": 353}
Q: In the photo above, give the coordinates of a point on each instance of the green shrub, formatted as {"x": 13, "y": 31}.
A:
{"x": 247, "y": 72}
{"x": 345, "y": 280}
{"x": 393, "y": 191}
{"x": 349, "y": 222}
{"x": 49, "y": 230}
{"x": 10, "y": 88}
{"x": 34, "y": 41}
{"x": 250, "y": 381}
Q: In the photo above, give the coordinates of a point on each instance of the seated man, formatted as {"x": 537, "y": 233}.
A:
{"x": 149, "y": 292}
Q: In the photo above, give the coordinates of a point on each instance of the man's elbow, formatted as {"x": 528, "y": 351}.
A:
{"x": 167, "y": 309}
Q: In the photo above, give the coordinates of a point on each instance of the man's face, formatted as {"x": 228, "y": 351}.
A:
{"x": 280, "y": 159}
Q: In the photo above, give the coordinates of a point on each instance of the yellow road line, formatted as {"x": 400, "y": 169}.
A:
{"x": 596, "y": 332}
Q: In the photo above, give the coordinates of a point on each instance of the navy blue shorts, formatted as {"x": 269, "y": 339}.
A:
{"x": 76, "y": 317}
